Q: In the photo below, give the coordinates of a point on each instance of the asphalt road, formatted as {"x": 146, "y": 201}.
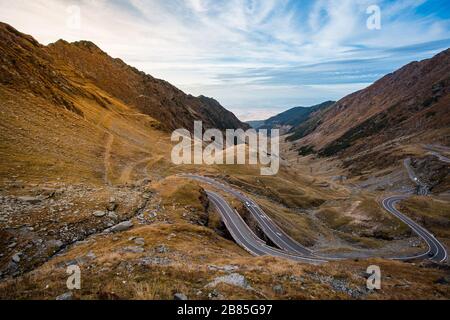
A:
{"x": 422, "y": 188}
{"x": 267, "y": 225}
{"x": 291, "y": 249}
{"x": 436, "y": 251}
{"x": 245, "y": 237}
{"x": 434, "y": 151}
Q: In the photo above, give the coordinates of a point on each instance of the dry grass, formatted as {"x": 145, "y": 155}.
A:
{"x": 433, "y": 214}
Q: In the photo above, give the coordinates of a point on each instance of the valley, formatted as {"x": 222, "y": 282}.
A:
{"x": 86, "y": 178}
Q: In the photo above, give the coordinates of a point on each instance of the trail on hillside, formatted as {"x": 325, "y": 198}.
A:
{"x": 125, "y": 177}
{"x": 106, "y": 124}
{"x": 107, "y": 158}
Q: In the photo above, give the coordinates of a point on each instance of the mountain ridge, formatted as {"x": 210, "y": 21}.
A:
{"x": 409, "y": 101}
{"x": 291, "y": 118}
{"x": 65, "y": 65}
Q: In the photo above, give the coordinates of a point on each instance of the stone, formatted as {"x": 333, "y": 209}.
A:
{"x": 30, "y": 200}
{"x": 139, "y": 241}
{"x": 180, "y": 297}
{"x": 160, "y": 261}
{"x": 234, "y": 279}
{"x": 91, "y": 255}
{"x": 162, "y": 249}
{"x": 278, "y": 289}
{"x": 112, "y": 206}
{"x": 99, "y": 214}
{"x": 16, "y": 258}
{"x": 443, "y": 280}
{"x": 113, "y": 215}
{"x": 55, "y": 244}
{"x": 122, "y": 226}
{"x": 65, "y": 296}
{"x": 226, "y": 268}
{"x": 12, "y": 245}
{"x": 133, "y": 249}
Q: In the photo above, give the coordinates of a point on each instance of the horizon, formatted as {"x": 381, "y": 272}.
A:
{"x": 257, "y": 59}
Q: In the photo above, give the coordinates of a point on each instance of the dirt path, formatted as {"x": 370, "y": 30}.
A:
{"x": 126, "y": 173}
{"x": 107, "y": 158}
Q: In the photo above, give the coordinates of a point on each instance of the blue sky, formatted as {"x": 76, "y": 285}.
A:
{"x": 257, "y": 57}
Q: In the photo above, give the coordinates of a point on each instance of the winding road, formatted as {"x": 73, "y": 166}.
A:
{"x": 423, "y": 189}
{"x": 434, "y": 151}
{"x": 246, "y": 238}
{"x": 288, "y": 247}
{"x": 436, "y": 251}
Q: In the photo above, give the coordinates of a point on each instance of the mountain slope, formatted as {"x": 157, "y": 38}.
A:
{"x": 62, "y": 66}
{"x": 412, "y": 101}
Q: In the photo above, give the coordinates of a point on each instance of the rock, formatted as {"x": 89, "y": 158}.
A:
{"x": 215, "y": 295}
{"x": 133, "y": 249}
{"x": 55, "y": 244}
{"x": 48, "y": 192}
{"x": 91, "y": 255}
{"x": 30, "y": 200}
{"x": 16, "y": 257}
{"x": 162, "y": 249}
{"x": 113, "y": 215}
{"x": 65, "y": 296}
{"x": 12, "y": 245}
{"x": 234, "y": 279}
{"x": 226, "y": 268}
{"x": 139, "y": 241}
{"x": 99, "y": 214}
{"x": 443, "y": 280}
{"x": 112, "y": 206}
{"x": 122, "y": 226}
{"x": 278, "y": 289}
{"x": 180, "y": 297}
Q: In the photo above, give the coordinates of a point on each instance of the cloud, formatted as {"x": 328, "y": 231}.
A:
{"x": 249, "y": 54}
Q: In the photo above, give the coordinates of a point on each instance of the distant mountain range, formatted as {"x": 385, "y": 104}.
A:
{"x": 410, "y": 104}
{"x": 290, "y": 119}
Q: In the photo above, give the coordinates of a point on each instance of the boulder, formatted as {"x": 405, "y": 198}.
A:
{"x": 122, "y": 226}
{"x": 99, "y": 214}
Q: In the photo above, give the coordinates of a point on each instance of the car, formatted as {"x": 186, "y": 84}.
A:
{"x": 431, "y": 254}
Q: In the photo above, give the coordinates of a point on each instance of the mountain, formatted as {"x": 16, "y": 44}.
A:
{"x": 292, "y": 118}
{"x": 69, "y": 109}
{"x": 56, "y": 71}
{"x": 256, "y": 124}
{"x": 411, "y": 102}
{"x": 309, "y": 124}
{"x": 86, "y": 177}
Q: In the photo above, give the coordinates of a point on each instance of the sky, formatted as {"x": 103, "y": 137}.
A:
{"x": 256, "y": 57}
